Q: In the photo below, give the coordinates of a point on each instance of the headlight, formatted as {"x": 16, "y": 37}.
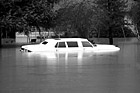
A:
{"x": 25, "y": 50}
{"x": 22, "y": 49}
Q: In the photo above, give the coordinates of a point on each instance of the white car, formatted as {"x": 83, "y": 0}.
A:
{"x": 68, "y": 45}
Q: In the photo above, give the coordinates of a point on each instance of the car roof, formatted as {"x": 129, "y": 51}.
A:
{"x": 67, "y": 39}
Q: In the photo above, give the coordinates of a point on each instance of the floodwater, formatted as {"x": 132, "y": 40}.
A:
{"x": 114, "y": 72}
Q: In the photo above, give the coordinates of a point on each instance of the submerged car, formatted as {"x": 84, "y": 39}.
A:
{"x": 68, "y": 45}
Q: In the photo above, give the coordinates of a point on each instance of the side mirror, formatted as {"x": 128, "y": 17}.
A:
{"x": 94, "y": 45}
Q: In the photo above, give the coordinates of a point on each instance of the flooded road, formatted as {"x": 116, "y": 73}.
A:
{"x": 115, "y": 72}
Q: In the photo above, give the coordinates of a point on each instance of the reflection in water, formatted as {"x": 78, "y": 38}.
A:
{"x": 114, "y": 72}
{"x": 54, "y": 60}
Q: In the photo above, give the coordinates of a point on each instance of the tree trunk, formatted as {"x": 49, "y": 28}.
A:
{"x": 110, "y": 25}
{"x": 110, "y": 36}
{"x": 39, "y": 32}
{"x": 28, "y": 39}
{"x": 0, "y": 38}
{"x": 111, "y": 41}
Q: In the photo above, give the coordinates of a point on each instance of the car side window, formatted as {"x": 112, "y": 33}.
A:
{"x": 60, "y": 45}
{"x": 44, "y": 43}
{"x": 72, "y": 44}
{"x": 86, "y": 44}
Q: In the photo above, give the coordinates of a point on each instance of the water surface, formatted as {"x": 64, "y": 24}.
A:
{"x": 115, "y": 72}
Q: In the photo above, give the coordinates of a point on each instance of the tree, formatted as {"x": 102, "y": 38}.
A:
{"x": 38, "y": 13}
{"x": 101, "y": 16}
{"x": 5, "y": 21}
{"x": 78, "y": 17}
{"x": 21, "y": 14}
{"x": 134, "y": 16}
{"x": 113, "y": 12}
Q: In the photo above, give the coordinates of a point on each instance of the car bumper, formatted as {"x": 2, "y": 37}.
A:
{"x": 25, "y": 50}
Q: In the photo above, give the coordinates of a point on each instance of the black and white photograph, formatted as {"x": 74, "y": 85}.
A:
{"x": 69, "y": 46}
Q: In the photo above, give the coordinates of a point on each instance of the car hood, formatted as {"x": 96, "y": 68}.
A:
{"x": 30, "y": 47}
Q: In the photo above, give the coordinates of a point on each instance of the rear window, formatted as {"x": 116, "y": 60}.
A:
{"x": 60, "y": 45}
{"x": 72, "y": 44}
{"x": 86, "y": 44}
